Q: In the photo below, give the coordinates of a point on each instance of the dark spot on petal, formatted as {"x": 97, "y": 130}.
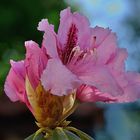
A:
{"x": 70, "y": 44}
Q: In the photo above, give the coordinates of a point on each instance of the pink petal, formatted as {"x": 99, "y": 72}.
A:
{"x": 58, "y": 79}
{"x": 43, "y": 25}
{"x": 131, "y": 92}
{"x": 15, "y": 82}
{"x": 76, "y": 23}
{"x": 117, "y": 62}
{"x": 91, "y": 94}
{"x": 105, "y": 43}
{"x": 132, "y": 89}
{"x": 49, "y": 38}
{"x": 82, "y": 62}
{"x": 101, "y": 78}
{"x": 35, "y": 62}
{"x": 117, "y": 66}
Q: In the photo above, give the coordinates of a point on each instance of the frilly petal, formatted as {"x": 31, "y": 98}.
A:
{"x": 117, "y": 61}
{"x": 105, "y": 43}
{"x": 15, "y": 82}
{"x": 91, "y": 94}
{"x": 101, "y": 78}
{"x": 132, "y": 89}
{"x": 49, "y": 38}
{"x": 35, "y": 62}
{"x": 81, "y": 27}
{"x": 57, "y": 79}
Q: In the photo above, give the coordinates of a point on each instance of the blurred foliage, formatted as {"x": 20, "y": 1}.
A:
{"x": 133, "y": 23}
{"x": 18, "y": 23}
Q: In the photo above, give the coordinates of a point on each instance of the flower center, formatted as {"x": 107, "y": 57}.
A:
{"x": 70, "y": 44}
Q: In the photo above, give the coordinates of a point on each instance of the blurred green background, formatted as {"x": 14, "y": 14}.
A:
{"x": 18, "y": 23}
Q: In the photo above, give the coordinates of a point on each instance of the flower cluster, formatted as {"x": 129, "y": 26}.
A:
{"x": 79, "y": 63}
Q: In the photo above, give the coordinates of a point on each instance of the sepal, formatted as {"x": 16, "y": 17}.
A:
{"x": 60, "y": 133}
{"x": 35, "y": 137}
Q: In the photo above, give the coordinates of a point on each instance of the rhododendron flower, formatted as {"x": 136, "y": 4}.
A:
{"x": 77, "y": 63}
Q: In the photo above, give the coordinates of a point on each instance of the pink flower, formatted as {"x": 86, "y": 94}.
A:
{"x": 78, "y": 59}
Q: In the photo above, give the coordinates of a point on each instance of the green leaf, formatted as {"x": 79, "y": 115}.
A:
{"x": 54, "y": 136}
{"x": 33, "y": 137}
{"x": 62, "y": 134}
{"x": 71, "y": 136}
{"x": 81, "y": 134}
{"x": 59, "y": 134}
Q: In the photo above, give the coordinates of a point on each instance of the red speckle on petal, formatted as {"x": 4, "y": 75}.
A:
{"x": 71, "y": 43}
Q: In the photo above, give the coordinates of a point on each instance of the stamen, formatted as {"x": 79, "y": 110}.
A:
{"x": 74, "y": 51}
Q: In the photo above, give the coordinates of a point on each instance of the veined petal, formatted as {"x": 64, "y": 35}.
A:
{"x": 15, "y": 82}
{"x": 101, "y": 78}
{"x": 132, "y": 89}
{"x": 82, "y": 61}
{"x": 78, "y": 24}
{"x": 35, "y": 62}
{"x": 105, "y": 43}
{"x": 58, "y": 79}
{"x": 43, "y": 25}
{"x": 91, "y": 94}
{"x": 117, "y": 66}
{"x": 117, "y": 62}
{"x": 49, "y": 38}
